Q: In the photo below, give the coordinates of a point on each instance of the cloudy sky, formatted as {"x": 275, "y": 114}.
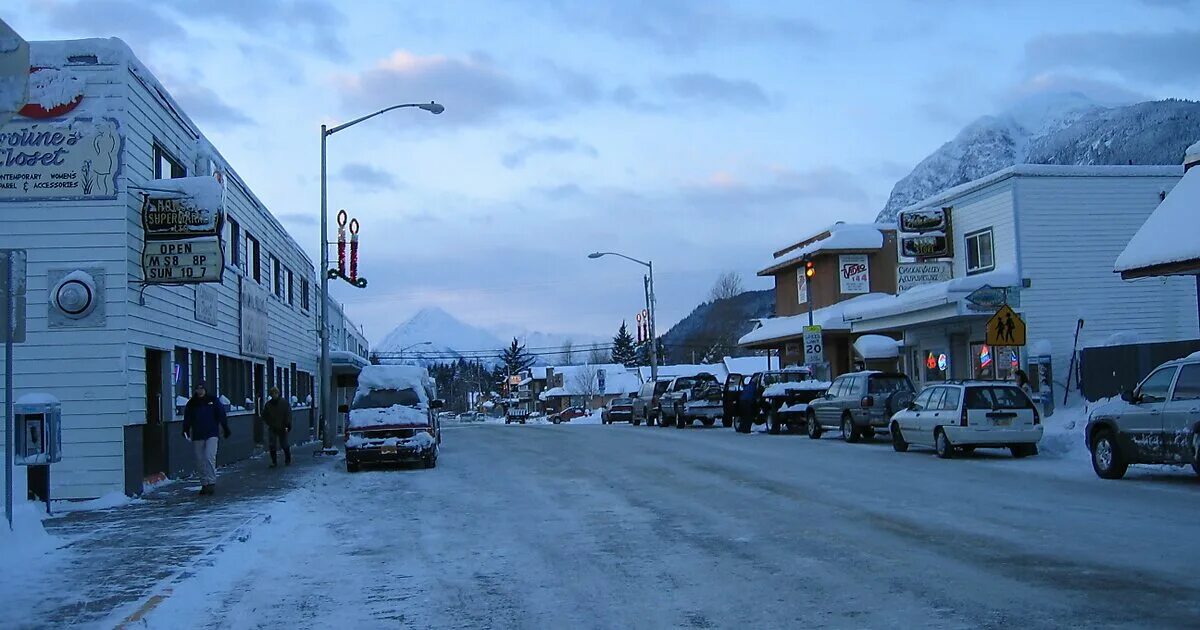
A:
{"x": 700, "y": 134}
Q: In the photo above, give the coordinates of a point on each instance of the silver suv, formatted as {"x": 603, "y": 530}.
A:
{"x": 1156, "y": 423}
{"x": 859, "y": 403}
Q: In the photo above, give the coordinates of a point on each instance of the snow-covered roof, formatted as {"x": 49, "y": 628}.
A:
{"x": 618, "y": 379}
{"x": 828, "y": 318}
{"x": 877, "y": 347}
{"x": 930, "y": 295}
{"x": 842, "y": 237}
{"x": 1169, "y": 234}
{"x": 345, "y": 356}
{"x": 685, "y": 369}
{"x": 746, "y": 365}
{"x": 1045, "y": 170}
{"x": 1192, "y": 154}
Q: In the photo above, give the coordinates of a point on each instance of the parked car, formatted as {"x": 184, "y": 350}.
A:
{"x": 645, "y": 403}
{"x": 780, "y": 398}
{"x": 962, "y": 416}
{"x": 678, "y": 392}
{"x": 617, "y": 410}
{"x": 516, "y": 414}
{"x": 1156, "y": 423}
{"x": 859, "y": 403}
{"x": 568, "y": 414}
{"x": 704, "y": 402}
{"x": 393, "y": 418}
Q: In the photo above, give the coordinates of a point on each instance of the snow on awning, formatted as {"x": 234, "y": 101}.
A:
{"x": 931, "y": 295}
{"x": 842, "y": 237}
{"x": 877, "y": 347}
{"x": 829, "y": 318}
{"x": 1168, "y": 237}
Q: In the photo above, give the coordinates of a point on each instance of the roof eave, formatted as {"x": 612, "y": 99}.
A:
{"x": 1181, "y": 268}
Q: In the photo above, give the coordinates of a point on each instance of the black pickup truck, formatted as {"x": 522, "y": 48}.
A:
{"x": 778, "y": 397}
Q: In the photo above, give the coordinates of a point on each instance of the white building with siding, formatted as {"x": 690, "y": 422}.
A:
{"x": 122, "y": 370}
{"x": 1049, "y": 234}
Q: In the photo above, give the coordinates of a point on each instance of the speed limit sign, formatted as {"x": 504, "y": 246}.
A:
{"x": 814, "y": 348}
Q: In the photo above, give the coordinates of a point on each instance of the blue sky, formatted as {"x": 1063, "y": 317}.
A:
{"x": 702, "y": 135}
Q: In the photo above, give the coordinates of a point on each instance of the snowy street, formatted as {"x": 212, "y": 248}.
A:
{"x": 590, "y": 526}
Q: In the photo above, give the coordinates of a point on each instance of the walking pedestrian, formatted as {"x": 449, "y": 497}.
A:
{"x": 277, "y": 415}
{"x": 203, "y": 418}
{"x": 1022, "y": 381}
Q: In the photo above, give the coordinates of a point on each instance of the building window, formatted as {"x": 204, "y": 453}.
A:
{"x": 291, "y": 297}
{"x": 277, "y": 277}
{"x": 182, "y": 374}
{"x": 994, "y": 362}
{"x": 304, "y": 293}
{"x": 980, "y": 255}
{"x": 235, "y": 242}
{"x": 197, "y": 368}
{"x": 254, "y": 258}
{"x": 166, "y": 166}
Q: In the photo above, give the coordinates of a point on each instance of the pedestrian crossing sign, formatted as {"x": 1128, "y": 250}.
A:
{"x": 1006, "y": 328}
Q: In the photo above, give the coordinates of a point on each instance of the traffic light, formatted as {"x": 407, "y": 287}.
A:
{"x": 810, "y": 270}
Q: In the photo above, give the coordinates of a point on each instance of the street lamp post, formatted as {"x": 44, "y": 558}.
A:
{"x": 652, "y": 303}
{"x": 411, "y": 346}
{"x": 323, "y": 329}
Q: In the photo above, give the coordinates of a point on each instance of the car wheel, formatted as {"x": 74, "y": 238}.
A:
{"x": 1196, "y": 452}
{"x": 431, "y": 462}
{"x": 708, "y": 422}
{"x": 773, "y": 422}
{"x": 849, "y": 433}
{"x": 680, "y": 421}
{"x": 351, "y": 466}
{"x": 814, "y": 427}
{"x": 635, "y": 422}
{"x": 1107, "y": 460}
{"x": 898, "y": 443}
{"x": 945, "y": 449}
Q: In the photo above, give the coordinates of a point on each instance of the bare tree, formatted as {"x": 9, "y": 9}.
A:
{"x": 728, "y": 284}
{"x": 586, "y": 381}
{"x": 599, "y": 355}
{"x": 567, "y": 352}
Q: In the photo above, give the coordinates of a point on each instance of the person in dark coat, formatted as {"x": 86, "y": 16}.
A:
{"x": 203, "y": 418}
{"x": 277, "y": 415}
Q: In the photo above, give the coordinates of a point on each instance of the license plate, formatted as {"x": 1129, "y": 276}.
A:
{"x": 387, "y": 450}
{"x": 1003, "y": 422}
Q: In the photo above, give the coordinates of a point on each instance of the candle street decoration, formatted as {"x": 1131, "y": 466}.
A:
{"x": 344, "y": 221}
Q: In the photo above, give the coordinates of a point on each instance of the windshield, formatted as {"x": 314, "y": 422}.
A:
{"x": 997, "y": 397}
{"x": 887, "y": 384}
{"x": 383, "y": 398}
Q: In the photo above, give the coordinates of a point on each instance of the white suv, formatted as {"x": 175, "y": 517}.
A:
{"x": 961, "y": 416}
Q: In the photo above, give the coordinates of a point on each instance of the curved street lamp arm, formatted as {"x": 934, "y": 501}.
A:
{"x": 640, "y": 262}
{"x": 333, "y": 130}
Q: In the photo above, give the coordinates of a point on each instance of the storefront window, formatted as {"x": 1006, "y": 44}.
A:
{"x": 994, "y": 362}
{"x": 937, "y": 365}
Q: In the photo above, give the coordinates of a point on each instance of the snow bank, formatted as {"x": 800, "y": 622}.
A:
{"x": 877, "y": 347}
{"x": 781, "y": 389}
{"x": 396, "y": 415}
{"x": 1169, "y": 233}
{"x": 796, "y": 408}
{"x": 26, "y": 548}
{"x": 929, "y": 295}
{"x": 111, "y": 500}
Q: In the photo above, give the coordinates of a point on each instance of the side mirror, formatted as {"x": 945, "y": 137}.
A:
{"x": 437, "y": 403}
{"x": 343, "y": 408}
{"x": 912, "y": 406}
{"x": 1129, "y": 397}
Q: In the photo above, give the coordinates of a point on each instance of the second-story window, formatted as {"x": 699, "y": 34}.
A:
{"x": 277, "y": 277}
{"x": 291, "y": 298}
{"x": 166, "y": 166}
{"x": 980, "y": 255}
{"x": 234, "y": 242}
{"x": 304, "y": 294}
{"x": 253, "y": 258}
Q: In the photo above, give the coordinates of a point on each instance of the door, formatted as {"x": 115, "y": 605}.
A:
{"x": 827, "y": 407}
{"x": 154, "y": 437}
{"x": 1143, "y": 421}
{"x": 1181, "y": 413}
{"x": 910, "y": 419}
{"x": 931, "y": 416}
{"x": 259, "y": 389}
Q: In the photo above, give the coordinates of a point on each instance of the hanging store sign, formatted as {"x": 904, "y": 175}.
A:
{"x": 254, "y": 319}
{"x": 183, "y": 207}
{"x": 930, "y": 245}
{"x": 206, "y": 304}
{"x": 909, "y": 275}
{"x": 925, "y": 220}
{"x": 58, "y": 161}
{"x": 854, "y": 273}
{"x": 183, "y": 261}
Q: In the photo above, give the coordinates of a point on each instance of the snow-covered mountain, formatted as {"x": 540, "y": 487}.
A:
{"x": 452, "y": 337}
{"x": 1052, "y": 129}
{"x": 448, "y": 335}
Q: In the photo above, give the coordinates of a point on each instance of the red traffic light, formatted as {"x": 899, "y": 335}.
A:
{"x": 810, "y": 270}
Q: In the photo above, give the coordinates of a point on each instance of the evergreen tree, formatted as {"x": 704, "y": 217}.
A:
{"x": 623, "y": 350}
{"x": 515, "y": 358}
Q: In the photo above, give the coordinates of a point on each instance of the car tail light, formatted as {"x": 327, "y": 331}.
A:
{"x": 962, "y": 421}
{"x": 868, "y": 401}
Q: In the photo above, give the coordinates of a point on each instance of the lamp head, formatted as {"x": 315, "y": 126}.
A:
{"x": 432, "y": 107}
{"x": 595, "y": 255}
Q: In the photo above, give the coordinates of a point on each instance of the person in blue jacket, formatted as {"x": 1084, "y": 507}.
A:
{"x": 203, "y": 417}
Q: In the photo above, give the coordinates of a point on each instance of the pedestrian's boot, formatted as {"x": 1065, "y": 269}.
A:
{"x": 212, "y": 489}
{"x": 203, "y": 491}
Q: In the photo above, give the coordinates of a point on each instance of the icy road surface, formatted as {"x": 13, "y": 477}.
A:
{"x": 636, "y": 527}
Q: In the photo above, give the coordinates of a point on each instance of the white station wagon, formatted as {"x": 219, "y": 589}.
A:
{"x": 962, "y": 416}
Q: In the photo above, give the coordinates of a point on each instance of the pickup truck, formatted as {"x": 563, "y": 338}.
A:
{"x": 680, "y": 390}
{"x": 780, "y": 398}
{"x": 516, "y": 414}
